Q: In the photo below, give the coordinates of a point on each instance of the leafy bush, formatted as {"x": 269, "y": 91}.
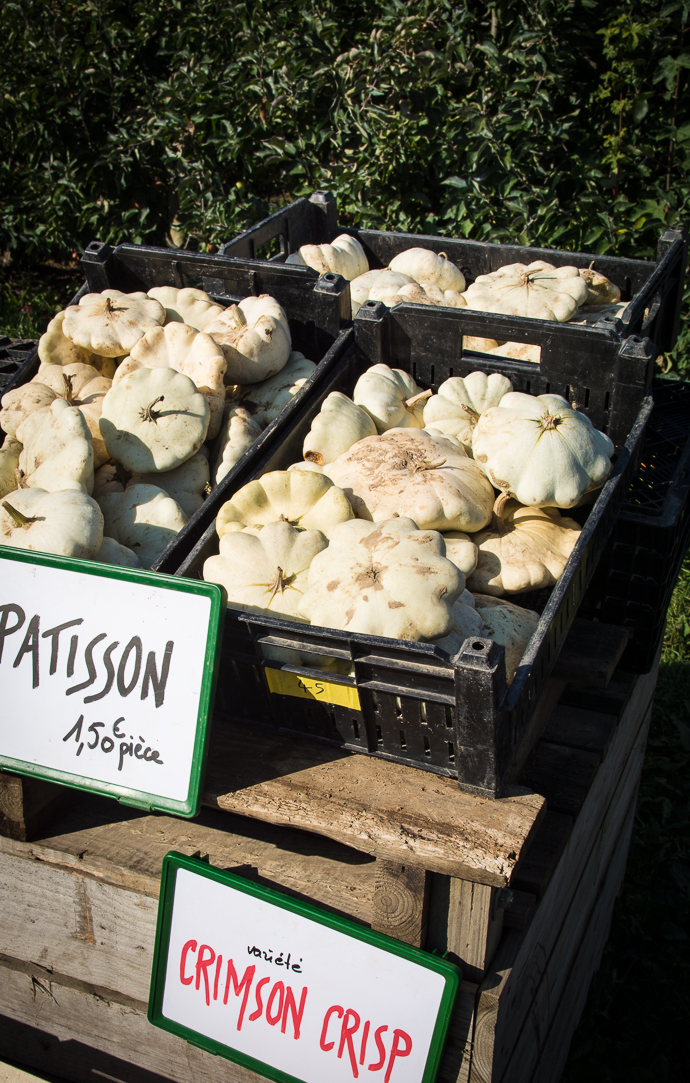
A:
{"x": 556, "y": 122}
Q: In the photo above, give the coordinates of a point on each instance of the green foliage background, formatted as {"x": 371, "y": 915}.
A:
{"x": 556, "y": 121}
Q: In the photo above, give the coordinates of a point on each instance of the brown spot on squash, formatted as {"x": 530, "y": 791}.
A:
{"x": 396, "y": 605}
{"x": 333, "y": 585}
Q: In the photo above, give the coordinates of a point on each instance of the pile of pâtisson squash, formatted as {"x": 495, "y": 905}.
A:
{"x": 413, "y": 515}
{"x": 419, "y": 276}
{"x": 141, "y": 403}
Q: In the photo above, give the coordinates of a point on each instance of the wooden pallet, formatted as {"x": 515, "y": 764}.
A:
{"x": 519, "y": 891}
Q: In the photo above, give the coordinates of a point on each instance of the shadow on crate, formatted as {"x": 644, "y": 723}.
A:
{"x": 103, "y": 818}
{"x": 48, "y": 1054}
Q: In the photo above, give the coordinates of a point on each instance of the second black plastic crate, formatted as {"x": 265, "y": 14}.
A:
{"x": 633, "y": 584}
{"x": 585, "y": 361}
{"x": 406, "y": 701}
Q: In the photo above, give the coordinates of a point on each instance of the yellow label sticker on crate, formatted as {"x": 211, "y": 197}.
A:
{"x": 291, "y": 684}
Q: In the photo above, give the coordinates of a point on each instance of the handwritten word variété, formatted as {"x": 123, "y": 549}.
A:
{"x": 279, "y": 1002}
{"x": 106, "y": 744}
{"x": 401, "y": 1046}
{"x": 121, "y": 672}
{"x": 278, "y": 961}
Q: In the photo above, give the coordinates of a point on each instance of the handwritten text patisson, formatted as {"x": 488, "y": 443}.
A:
{"x": 123, "y": 670}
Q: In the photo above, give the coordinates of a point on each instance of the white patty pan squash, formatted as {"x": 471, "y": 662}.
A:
{"x": 345, "y": 256}
{"x": 338, "y": 425}
{"x": 69, "y": 523}
{"x": 391, "y": 397}
{"x": 110, "y": 323}
{"x": 388, "y": 579}
{"x": 111, "y": 552}
{"x": 408, "y": 472}
{"x": 54, "y": 348}
{"x": 255, "y": 338}
{"x": 266, "y": 572}
{"x": 392, "y": 288}
{"x": 600, "y": 289}
{"x": 456, "y": 409}
{"x": 9, "y": 465}
{"x": 81, "y": 386}
{"x": 269, "y": 398}
{"x": 467, "y": 624}
{"x": 193, "y": 353}
{"x": 22, "y": 401}
{"x": 190, "y": 306}
{"x": 429, "y": 269}
{"x": 302, "y": 498}
{"x": 524, "y": 549}
{"x": 58, "y": 451}
{"x": 541, "y": 451}
{"x": 143, "y": 518}
{"x": 237, "y": 434}
{"x": 186, "y": 484}
{"x": 507, "y": 624}
{"x": 154, "y": 419}
{"x": 462, "y": 550}
{"x": 537, "y": 290}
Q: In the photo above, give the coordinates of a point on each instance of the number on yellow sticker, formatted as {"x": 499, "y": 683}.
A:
{"x": 291, "y": 684}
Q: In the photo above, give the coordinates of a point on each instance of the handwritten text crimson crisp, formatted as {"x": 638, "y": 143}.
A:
{"x": 254, "y": 996}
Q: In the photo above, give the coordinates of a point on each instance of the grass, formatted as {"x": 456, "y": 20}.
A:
{"x": 30, "y": 298}
{"x": 634, "y": 1029}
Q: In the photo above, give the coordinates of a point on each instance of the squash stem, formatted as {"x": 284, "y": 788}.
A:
{"x": 498, "y": 523}
{"x": 69, "y": 395}
{"x": 409, "y": 403}
{"x": 18, "y": 518}
{"x": 148, "y": 413}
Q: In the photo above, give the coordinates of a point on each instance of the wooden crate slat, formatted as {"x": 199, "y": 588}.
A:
{"x": 506, "y": 993}
{"x": 79, "y": 1032}
{"x": 542, "y": 1049}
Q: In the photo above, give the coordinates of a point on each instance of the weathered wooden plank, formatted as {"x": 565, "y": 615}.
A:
{"x": 455, "y": 1065}
{"x": 103, "y": 841}
{"x": 76, "y": 925}
{"x": 591, "y": 653}
{"x": 613, "y": 699}
{"x": 401, "y": 901}
{"x": 518, "y": 908}
{"x": 562, "y": 775}
{"x": 574, "y": 727}
{"x": 536, "y": 865}
{"x": 84, "y": 1034}
{"x": 84, "y": 903}
{"x": 521, "y": 959}
{"x": 27, "y": 804}
{"x": 394, "y": 812}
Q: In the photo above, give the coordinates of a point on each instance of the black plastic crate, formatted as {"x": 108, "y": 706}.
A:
{"x": 315, "y": 308}
{"x": 584, "y": 363}
{"x": 13, "y": 354}
{"x": 634, "y": 582}
{"x": 452, "y": 718}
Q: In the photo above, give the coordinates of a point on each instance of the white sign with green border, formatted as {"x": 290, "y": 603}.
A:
{"x": 289, "y": 991}
{"x": 107, "y": 677}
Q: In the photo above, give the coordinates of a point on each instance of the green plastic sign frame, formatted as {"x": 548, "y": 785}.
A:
{"x": 167, "y": 970}
{"x": 185, "y": 806}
